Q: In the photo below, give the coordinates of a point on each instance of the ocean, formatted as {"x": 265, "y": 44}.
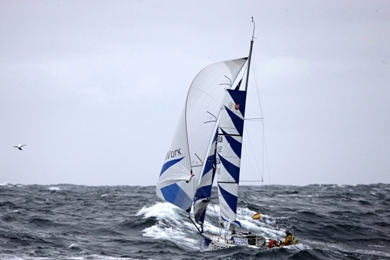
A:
{"x": 131, "y": 222}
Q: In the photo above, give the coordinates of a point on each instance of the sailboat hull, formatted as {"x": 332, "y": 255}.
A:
{"x": 214, "y": 242}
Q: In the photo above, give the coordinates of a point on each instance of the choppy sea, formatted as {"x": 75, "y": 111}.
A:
{"x": 131, "y": 222}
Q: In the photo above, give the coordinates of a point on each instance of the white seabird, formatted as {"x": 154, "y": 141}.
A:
{"x": 19, "y": 146}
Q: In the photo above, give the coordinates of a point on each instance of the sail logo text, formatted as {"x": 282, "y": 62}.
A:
{"x": 173, "y": 154}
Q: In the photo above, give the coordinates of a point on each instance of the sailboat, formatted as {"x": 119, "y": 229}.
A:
{"x": 207, "y": 147}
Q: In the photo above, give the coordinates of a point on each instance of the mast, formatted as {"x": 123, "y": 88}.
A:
{"x": 250, "y": 56}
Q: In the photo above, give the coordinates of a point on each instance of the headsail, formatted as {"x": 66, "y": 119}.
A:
{"x": 190, "y": 143}
{"x": 229, "y": 146}
{"x": 203, "y": 193}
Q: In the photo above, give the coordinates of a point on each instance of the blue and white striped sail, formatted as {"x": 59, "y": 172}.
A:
{"x": 229, "y": 148}
{"x": 203, "y": 193}
{"x": 179, "y": 176}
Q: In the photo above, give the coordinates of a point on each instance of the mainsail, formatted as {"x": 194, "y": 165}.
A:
{"x": 229, "y": 147}
{"x": 179, "y": 177}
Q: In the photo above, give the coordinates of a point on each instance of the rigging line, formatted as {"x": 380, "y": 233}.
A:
{"x": 254, "y": 118}
{"x": 254, "y": 27}
{"x": 263, "y": 150}
{"x": 266, "y": 156}
{"x": 199, "y": 160}
{"x": 215, "y": 211}
{"x": 253, "y": 153}
{"x": 264, "y": 146}
{"x": 194, "y": 224}
{"x": 254, "y": 69}
{"x": 186, "y": 128}
{"x": 264, "y": 153}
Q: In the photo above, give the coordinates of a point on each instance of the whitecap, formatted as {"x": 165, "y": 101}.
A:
{"x": 72, "y": 246}
{"x": 170, "y": 224}
{"x": 161, "y": 210}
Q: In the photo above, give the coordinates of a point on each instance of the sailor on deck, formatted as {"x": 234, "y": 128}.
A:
{"x": 289, "y": 239}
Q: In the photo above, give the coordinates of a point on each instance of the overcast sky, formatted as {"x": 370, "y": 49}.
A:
{"x": 95, "y": 88}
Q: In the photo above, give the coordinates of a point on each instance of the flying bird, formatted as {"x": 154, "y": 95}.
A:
{"x": 19, "y": 146}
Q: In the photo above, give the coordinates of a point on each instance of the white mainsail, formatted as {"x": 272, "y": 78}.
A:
{"x": 181, "y": 171}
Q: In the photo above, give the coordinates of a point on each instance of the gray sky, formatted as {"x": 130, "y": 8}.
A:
{"x": 95, "y": 88}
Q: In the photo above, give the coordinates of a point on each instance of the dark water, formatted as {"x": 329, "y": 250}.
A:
{"x": 125, "y": 222}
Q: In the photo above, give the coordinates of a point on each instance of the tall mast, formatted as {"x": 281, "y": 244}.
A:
{"x": 249, "y": 57}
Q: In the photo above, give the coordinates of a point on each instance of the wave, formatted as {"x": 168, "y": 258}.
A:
{"x": 123, "y": 222}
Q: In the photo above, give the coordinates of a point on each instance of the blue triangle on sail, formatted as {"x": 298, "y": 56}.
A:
{"x": 175, "y": 195}
{"x": 169, "y": 164}
{"x": 203, "y": 192}
{"x": 238, "y": 223}
{"x": 209, "y": 164}
{"x": 234, "y": 144}
{"x": 207, "y": 241}
{"x": 204, "y": 188}
{"x": 237, "y": 121}
{"x": 230, "y": 199}
{"x": 201, "y": 219}
{"x": 233, "y": 170}
{"x": 239, "y": 97}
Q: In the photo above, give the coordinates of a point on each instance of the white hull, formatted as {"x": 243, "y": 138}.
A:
{"x": 227, "y": 241}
